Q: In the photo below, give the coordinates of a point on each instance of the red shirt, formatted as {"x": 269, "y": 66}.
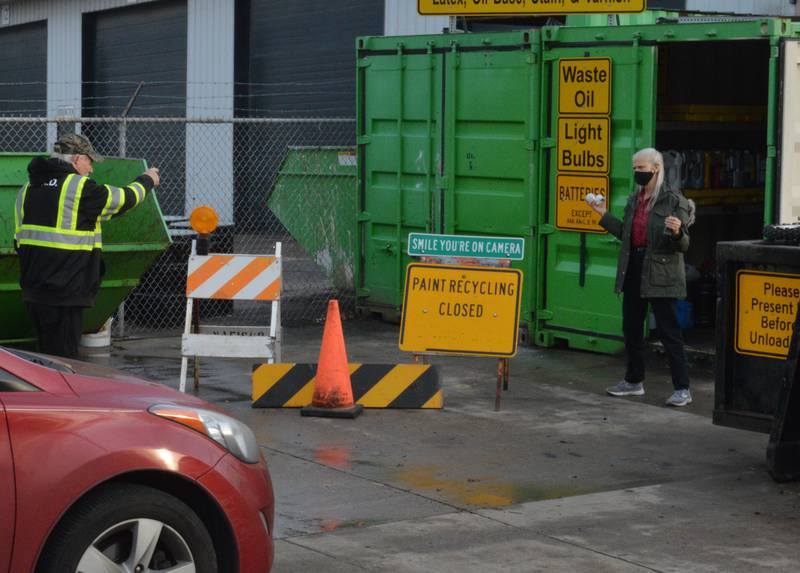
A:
{"x": 639, "y": 232}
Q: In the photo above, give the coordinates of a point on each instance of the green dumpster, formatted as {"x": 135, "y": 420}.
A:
{"x": 131, "y": 243}
{"x": 314, "y": 198}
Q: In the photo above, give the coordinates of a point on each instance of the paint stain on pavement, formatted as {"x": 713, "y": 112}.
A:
{"x": 483, "y": 491}
{"x": 334, "y": 456}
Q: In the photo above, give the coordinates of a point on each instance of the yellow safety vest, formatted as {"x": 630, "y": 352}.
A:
{"x": 65, "y": 235}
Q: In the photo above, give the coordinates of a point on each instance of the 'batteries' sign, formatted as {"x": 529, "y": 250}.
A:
{"x": 572, "y": 211}
{"x": 507, "y": 7}
{"x": 766, "y": 307}
{"x": 461, "y": 310}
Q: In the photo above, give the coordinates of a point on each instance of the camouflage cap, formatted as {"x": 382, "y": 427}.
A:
{"x": 76, "y": 144}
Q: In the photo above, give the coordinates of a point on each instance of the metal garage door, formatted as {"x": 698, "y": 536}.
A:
{"x": 304, "y": 55}
{"x": 294, "y": 60}
{"x": 123, "y": 47}
{"x": 23, "y": 87}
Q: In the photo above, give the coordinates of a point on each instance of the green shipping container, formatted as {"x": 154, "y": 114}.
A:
{"x": 459, "y": 134}
{"x": 131, "y": 243}
{"x": 447, "y": 142}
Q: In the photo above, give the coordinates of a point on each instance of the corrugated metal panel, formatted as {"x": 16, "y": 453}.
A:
{"x": 127, "y": 45}
{"x": 767, "y": 7}
{"x": 211, "y": 59}
{"x": 402, "y": 19}
{"x": 96, "y": 5}
{"x": 26, "y": 11}
{"x": 209, "y": 93}
{"x": 63, "y": 60}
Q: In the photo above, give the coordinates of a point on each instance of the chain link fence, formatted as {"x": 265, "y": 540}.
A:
{"x": 270, "y": 180}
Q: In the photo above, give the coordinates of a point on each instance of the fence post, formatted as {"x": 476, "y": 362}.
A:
{"x": 123, "y": 152}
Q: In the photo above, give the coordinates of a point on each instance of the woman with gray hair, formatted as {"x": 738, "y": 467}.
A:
{"x": 650, "y": 271}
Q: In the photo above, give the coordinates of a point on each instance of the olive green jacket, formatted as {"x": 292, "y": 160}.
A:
{"x": 664, "y": 275}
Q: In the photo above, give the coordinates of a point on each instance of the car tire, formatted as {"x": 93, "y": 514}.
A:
{"x": 107, "y": 524}
{"x": 789, "y": 234}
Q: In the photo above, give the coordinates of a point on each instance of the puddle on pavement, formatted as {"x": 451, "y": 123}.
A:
{"x": 483, "y": 492}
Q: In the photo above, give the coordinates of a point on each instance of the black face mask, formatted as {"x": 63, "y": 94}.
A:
{"x": 642, "y": 177}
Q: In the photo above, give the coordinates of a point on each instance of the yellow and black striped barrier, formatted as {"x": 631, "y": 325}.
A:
{"x": 374, "y": 385}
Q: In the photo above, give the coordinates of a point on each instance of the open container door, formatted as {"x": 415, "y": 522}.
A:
{"x": 789, "y": 190}
{"x": 599, "y": 109}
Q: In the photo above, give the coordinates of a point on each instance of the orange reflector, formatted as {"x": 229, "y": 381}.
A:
{"x": 204, "y": 220}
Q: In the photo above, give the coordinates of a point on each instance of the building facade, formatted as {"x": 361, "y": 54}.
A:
{"x": 211, "y": 59}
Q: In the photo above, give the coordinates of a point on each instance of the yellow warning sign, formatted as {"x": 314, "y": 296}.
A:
{"x": 584, "y": 86}
{"x": 766, "y": 307}
{"x": 584, "y": 144}
{"x": 572, "y": 211}
{"x": 495, "y": 7}
{"x": 461, "y": 310}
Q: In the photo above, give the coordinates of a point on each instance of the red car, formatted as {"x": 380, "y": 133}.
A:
{"x": 104, "y": 472}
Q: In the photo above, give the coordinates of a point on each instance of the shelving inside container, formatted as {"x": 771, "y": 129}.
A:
{"x": 711, "y": 123}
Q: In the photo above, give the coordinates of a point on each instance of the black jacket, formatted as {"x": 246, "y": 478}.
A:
{"x": 58, "y": 276}
{"x": 663, "y": 275}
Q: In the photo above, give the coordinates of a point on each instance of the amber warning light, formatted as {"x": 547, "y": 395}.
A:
{"x": 204, "y": 220}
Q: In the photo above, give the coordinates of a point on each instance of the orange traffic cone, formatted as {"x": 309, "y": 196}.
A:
{"x": 333, "y": 391}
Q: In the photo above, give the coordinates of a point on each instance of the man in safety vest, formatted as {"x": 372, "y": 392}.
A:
{"x": 58, "y": 237}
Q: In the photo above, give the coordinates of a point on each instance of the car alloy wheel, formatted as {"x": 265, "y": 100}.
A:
{"x": 129, "y": 528}
{"x": 138, "y": 546}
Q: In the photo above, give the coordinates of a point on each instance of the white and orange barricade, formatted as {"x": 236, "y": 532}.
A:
{"x": 232, "y": 277}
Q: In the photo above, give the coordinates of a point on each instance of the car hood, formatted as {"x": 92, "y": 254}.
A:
{"x": 101, "y": 382}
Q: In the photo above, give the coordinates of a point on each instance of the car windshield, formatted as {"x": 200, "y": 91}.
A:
{"x": 40, "y": 360}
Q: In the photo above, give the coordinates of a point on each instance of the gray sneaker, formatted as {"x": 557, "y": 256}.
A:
{"x": 680, "y": 398}
{"x": 625, "y": 388}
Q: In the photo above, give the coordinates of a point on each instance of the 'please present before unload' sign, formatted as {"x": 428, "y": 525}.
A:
{"x": 766, "y": 307}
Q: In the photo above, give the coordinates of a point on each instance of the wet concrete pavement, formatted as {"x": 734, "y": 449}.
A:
{"x": 564, "y": 478}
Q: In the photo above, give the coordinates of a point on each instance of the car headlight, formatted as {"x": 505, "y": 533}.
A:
{"x": 228, "y": 432}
